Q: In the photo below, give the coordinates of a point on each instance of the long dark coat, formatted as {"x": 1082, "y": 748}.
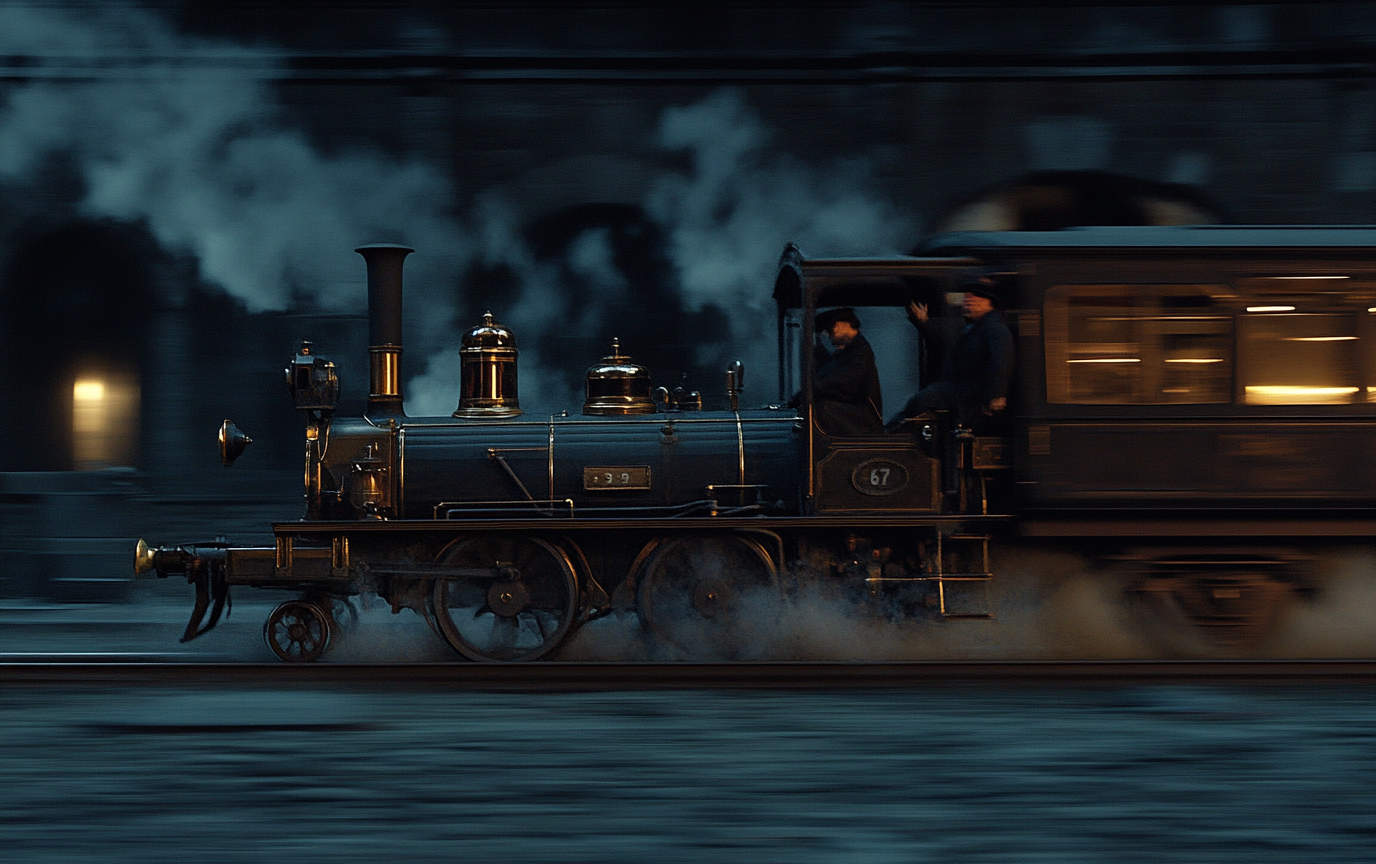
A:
{"x": 976, "y": 367}
{"x": 845, "y": 392}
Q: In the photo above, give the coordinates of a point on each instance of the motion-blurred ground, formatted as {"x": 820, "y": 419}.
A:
{"x": 1134, "y": 774}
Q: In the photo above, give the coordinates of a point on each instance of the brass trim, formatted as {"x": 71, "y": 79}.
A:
{"x": 339, "y": 553}
{"x": 551, "y": 457}
{"x": 384, "y": 371}
{"x": 143, "y": 558}
{"x": 638, "y": 478}
{"x": 740, "y": 447}
{"x": 400, "y": 491}
{"x": 284, "y": 556}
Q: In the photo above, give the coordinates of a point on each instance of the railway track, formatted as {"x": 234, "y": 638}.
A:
{"x": 153, "y": 670}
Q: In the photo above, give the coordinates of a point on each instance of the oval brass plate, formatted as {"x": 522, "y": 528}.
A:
{"x": 879, "y": 477}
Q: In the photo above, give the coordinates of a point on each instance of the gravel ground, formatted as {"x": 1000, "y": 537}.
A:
{"x": 1150, "y": 774}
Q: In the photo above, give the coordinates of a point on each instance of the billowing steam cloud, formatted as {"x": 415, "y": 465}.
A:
{"x": 184, "y": 135}
{"x": 729, "y": 220}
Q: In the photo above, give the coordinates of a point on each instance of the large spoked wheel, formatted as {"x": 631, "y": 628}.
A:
{"x": 297, "y": 631}
{"x": 520, "y": 610}
{"x": 707, "y": 596}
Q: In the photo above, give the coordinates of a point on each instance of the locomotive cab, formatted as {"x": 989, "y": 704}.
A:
{"x": 931, "y": 464}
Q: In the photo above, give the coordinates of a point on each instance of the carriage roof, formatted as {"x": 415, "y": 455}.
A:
{"x": 810, "y": 284}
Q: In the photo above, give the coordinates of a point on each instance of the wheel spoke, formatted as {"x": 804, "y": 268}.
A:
{"x": 691, "y": 591}
{"x": 504, "y": 631}
{"x": 540, "y": 624}
{"x": 536, "y": 610}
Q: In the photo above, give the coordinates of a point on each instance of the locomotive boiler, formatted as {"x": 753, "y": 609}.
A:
{"x": 1192, "y": 406}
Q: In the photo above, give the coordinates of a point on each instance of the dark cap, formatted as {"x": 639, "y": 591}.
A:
{"x": 825, "y": 320}
{"x": 981, "y": 286}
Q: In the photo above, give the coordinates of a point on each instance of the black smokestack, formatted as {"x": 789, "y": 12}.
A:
{"x": 384, "y": 326}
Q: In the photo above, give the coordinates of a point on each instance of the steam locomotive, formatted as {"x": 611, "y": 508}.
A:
{"x": 1194, "y": 404}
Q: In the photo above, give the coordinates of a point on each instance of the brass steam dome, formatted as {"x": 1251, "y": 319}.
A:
{"x": 487, "y": 384}
{"x": 616, "y": 386}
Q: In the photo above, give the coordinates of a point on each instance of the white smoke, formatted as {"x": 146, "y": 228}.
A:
{"x": 1045, "y": 605}
{"x": 203, "y": 155}
{"x": 729, "y": 219}
{"x": 185, "y": 135}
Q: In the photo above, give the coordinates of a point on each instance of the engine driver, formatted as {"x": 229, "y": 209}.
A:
{"x": 978, "y": 363}
{"x": 845, "y": 384}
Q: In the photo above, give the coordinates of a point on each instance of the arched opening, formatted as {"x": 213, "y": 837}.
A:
{"x": 1054, "y": 200}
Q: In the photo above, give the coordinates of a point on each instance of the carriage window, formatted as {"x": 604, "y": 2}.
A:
{"x": 1137, "y": 344}
{"x": 1300, "y": 341}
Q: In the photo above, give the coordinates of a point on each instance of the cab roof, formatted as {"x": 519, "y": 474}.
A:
{"x": 944, "y": 259}
{"x": 858, "y": 281}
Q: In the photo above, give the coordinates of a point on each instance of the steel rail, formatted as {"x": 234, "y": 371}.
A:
{"x": 541, "y": 676}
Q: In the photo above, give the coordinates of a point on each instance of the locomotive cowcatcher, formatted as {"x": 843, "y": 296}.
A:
{"x": 1192, "y": 404}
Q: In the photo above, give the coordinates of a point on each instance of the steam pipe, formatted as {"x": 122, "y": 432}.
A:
{"x": 384, "y": 262}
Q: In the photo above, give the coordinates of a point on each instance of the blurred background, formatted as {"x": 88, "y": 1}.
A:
{"x": 182, "y": 185}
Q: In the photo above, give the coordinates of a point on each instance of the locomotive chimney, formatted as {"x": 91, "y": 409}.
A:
{"x": 384, "y": 326}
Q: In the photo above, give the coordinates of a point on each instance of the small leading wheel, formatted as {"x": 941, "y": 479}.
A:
{"x": 297, "y": 631}
{"x": 519, "y": 609}
{"x": 704, "y": 595}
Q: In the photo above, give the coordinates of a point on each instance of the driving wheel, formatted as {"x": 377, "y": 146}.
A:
{"x": 519, "y": 607}
{"x": 297, "y": 631}
{"x": 344, "y": 612}
{"x": 707, "y": 596}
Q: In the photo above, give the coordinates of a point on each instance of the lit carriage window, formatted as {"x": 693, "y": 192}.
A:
{"x": 1137, "y": 344}
{"x": 1301, "y": 341}
{"x": 1093, "y": 353}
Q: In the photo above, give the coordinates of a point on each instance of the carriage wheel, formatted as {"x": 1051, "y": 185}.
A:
{"x": 1231, "y": 611}
{"x": 297, "y": 631}
{"x": 705, "y": 596}
{"x": 519, "y": 613}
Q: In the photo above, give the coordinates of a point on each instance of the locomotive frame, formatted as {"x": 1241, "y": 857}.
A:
{"x": 721, "y": 505}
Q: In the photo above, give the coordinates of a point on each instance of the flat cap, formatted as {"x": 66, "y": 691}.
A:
{"x": 981, "y": 285}
{"x": 825, "y": 320}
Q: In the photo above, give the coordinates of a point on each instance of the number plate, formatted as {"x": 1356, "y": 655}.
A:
{"x": 879, "y": 477}
{"x": 635, "y": 477}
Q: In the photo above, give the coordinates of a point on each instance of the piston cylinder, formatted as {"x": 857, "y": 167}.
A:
{"x": 487, "y": 383}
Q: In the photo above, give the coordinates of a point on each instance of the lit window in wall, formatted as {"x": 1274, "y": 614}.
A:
{"x": 104, "y": 421}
